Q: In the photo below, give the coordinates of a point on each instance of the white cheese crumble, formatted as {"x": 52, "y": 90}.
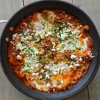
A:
{"x": 70, "y": 66}
{"x": 73, "y": 56}
{"x": 53, "y": 49}
{"x": 53, "y": 44}
{"x": 19, "y": 57}
{"x": 40, "y": 77}
{"x": 53, "y": 90}
{"x": 65, "y": 15}
{"x": 48, "y": 85}
{"x": 33, "y": 74}
{"x": 14, "y": 36}
{"x": 90, "y": 54}
{"x": 19, "y": 46}
{"x": 25, "y": 24}
{"x": 48, "y": 33}
{"x": 55, "y": 73}
{"x": 76, "y": 65}
{"x": 42, "y": 71}
{"x": 62, "y": 67}
{"x": 57, "y": 49}
{"x": 47, "y": 76}
{"x": 32, "y": 78}
{"x": 61, "y": 82}
{"x": 80, "y": 59}
{"x": 47, "y": 67}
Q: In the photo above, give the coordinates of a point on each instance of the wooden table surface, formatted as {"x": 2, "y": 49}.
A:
{"x": 8, "y": 8}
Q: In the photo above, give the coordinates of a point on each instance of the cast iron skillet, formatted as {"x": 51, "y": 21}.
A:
{"x": 38, "y": 6}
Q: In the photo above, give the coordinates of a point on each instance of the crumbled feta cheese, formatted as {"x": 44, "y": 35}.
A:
{"x": 47, "y": 67}
{"x": 65, "y": 15}
{"x": 25, "y": 24}
{"x": 73, "y": 56}
{"x": 55, "y": 73}
{"x": 19, "y": 57}
{"x": 14, "y": 35}
{"x": 19, "y": 46}
{"x": 34, "y": 30}
{"x": 58, "y": 49}
{"x": 48, "y": 85}
{"x": 70, "y": 66}
{"x": 33, "y": 74}
{"x": 61, "y": 82}
{"x": 53, "y": 90}
{"x": 90, "y": 54}
{"x": 63, "y": 36}
{"x": 47, "y": 76}
{"x": 37, "y": 65}
{"x": 42, "y": 71}
{"x": 49, "y": 33}
{"x": 76, "y": 65}
{"x": 80, "y": 59}
{"x": 62, "y": 67}
{"x": 36, "y": 52}
{"x": 40, "y": 77}
{"x": 80, "y": 35}
{"x": 42, "y": 36}
{"x": 70, "y": 25}
{"x": 53, "y": 49}
{"x": 80, "y": 25}
{"x": 53, "y": 44}
{"x": 86, "y": 57}
{"x": 32, "y": 78}
{"x": 77, "y": 31}
{"x": 77, "y": 61}
{"x": 57, "y": 17}
{"x": 26, "y": 68}
{"x": 11, "y": 42}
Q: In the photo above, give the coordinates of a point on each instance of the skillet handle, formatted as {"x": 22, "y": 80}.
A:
{"x": 0, "y": 49}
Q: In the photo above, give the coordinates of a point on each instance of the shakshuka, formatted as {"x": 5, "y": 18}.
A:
{"x": 50, "y": 50}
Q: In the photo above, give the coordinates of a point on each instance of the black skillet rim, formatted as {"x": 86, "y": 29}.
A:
{"x": 90, "y": 79}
